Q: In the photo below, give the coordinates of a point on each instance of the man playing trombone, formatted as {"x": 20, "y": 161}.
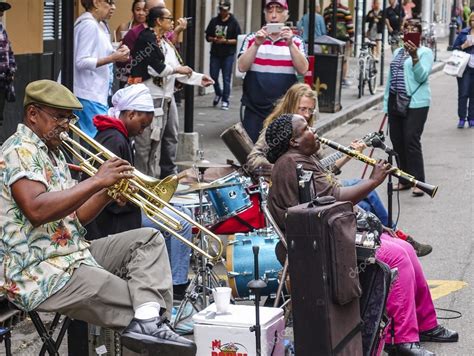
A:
{"x": 48, "y": 264}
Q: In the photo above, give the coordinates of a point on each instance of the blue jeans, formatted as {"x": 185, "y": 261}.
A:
{"x": 225, "y": 64}
{"x": 371, "y": 203}
{"x": 179, "y": 253}
{"x": 465, "y": 94}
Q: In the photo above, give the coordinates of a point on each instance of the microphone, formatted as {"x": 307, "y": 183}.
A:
{"x": 377, "y": 142}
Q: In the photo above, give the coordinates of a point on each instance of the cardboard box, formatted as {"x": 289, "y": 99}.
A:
{"x": 229, "y": 334}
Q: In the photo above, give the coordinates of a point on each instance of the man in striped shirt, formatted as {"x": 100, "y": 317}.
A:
{"x": 271, "y": 61}
{"x": 344, "y": 31}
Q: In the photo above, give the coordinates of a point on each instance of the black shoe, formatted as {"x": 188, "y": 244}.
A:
{"x": 420, "y": 249}
{"x": 407, "y": 349}
{"x": 156, "y": 337}
{"x": 179, "y": 290}
{"x": 216, "y": 100}
{"x": 439, "y": 334}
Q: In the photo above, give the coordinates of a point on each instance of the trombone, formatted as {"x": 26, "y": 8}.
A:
{"x": 149, "y": 194}
{"x": 427, "y": 188}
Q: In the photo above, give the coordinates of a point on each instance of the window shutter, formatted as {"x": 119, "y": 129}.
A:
{"x": 51, "y": 24}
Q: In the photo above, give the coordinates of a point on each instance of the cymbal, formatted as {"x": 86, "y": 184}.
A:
{"x": 204, "y": 186}
{"x": 203, "y": 163}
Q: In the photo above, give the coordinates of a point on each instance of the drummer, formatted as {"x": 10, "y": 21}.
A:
{"x": 131, "y": 113}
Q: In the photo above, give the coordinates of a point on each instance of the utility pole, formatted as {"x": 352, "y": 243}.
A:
{"x": 190, "y": 11}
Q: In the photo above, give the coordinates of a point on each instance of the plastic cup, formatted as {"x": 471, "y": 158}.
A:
{"x": 222, "y": 299}
{"x": 115, "y": 45}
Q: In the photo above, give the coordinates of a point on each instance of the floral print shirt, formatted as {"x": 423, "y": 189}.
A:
{"x": 37, "y": 261}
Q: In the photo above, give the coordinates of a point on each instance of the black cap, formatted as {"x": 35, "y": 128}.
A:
{"x": 4, "y": 6}
{"x": 224, "y": 5}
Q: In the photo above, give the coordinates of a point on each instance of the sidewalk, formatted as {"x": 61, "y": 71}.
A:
{"x": 210, "y": 122}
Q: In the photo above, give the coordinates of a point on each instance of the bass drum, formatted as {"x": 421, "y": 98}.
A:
{"x": 240, "y": 264}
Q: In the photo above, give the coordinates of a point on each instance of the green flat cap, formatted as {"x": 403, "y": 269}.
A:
{"x": 52, "y": 94}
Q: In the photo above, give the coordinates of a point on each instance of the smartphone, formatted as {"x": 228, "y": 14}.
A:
{"x": 415, "y": 37}
{"x": 274, "y": 27}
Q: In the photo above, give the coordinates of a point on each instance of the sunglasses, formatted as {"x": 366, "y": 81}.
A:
{"x": 70, "y": 119}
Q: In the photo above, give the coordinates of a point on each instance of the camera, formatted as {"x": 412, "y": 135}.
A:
{"x": 274, "y": 27}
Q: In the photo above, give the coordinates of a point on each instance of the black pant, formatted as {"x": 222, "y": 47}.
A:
{"x": 405, "y": 134}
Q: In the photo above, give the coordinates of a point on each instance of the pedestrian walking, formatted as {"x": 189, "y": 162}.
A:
{"x": 374, "y": 21}
{"x": 407, "y": 100}
{"x": 465, "y": 42}
{"x": 7, "y": 65}
{"x": 395, "y": 20}
{"x": 222, "y": 31}
{"x": 271, "y": 57}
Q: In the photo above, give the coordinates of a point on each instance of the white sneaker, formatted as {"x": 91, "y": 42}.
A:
{"x": 346, "y": 83}
{"x": 225, "y": 105}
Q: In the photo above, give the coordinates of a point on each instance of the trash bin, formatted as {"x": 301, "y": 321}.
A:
{"x": 328, "y": 59}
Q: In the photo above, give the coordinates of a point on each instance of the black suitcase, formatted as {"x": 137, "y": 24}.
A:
{"x": 325, "y": 287}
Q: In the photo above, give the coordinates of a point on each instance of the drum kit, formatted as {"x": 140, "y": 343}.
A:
{"x": 233, "y": 206}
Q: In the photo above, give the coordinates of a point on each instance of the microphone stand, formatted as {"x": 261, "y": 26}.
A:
{"x": 391, "y": 153}
{"x": 256, "y": 285}
{"x": 390, "y": 192}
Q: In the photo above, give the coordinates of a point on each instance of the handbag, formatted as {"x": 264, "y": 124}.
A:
{"x": 398, "y": 104}
{"x": 457, "y": 63}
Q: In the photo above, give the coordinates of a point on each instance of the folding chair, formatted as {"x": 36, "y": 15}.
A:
{"x": 5, "y": 335}
{"x": 46, "y": 335}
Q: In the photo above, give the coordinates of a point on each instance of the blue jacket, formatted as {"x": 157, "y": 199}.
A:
{"x": 414, "y": 76}
{"x": 460, "y": 39}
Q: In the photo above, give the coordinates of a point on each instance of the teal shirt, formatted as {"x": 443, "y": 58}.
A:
{"x": 414, "y": 76}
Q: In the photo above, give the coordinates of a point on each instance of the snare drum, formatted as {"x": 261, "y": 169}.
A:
{"x": 191, "y": 202}
{"x": 231, "y": 200}
{"x": 240, "y": 265}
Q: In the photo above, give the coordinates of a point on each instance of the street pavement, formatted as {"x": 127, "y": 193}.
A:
{"x": 444, "y": 221}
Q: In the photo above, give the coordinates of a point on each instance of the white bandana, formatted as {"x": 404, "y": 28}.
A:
{"x": 135, "y": 97}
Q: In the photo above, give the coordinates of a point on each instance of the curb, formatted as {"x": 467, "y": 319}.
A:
{"x": 352, "y": 111}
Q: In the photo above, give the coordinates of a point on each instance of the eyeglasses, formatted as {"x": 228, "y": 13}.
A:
{"x": 168, "y": 18}
{"x": 110, "y": 2}
{"x": 309, "y": 111}
{"x": 71, "y": 119}
{"x": 278, "y": 8}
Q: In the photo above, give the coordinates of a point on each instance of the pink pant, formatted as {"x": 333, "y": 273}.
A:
{"x": 409, "y": 303}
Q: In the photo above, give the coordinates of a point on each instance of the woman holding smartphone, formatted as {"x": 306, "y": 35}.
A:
{"x": 465, "y": 42}
{"x": 406, "y": 101}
